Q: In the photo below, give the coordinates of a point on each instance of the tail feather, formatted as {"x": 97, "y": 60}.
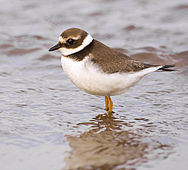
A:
{"x": 167, "y": 68}
{"x": 161, "y": 68}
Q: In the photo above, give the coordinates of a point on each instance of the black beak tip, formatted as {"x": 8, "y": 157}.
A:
{"x": 55, "y": 47}
{"x": 50, "y": 49}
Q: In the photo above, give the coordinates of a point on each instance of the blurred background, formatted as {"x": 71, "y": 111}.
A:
{"x": 47, "y": 123}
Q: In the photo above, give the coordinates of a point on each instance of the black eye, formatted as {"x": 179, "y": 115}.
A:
{"x": 70, "y": 41}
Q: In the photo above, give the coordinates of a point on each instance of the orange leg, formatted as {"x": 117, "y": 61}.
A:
{"x": 110, "y": 104}
{"x": 106, "y": 103}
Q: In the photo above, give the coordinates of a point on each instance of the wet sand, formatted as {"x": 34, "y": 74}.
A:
{"x": 47, "y": 123}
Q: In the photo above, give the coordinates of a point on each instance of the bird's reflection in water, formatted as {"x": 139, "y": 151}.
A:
{"x": 105, "y": 146}
{"x": 105, "y": 122}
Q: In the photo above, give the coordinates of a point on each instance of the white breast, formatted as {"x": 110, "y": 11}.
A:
{"x": 88, "y": 77}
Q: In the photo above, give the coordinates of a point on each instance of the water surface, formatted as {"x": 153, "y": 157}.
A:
{"x": 47, "y": 123}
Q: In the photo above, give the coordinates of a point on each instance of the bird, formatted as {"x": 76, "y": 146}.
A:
{"x": 97, "y": 68}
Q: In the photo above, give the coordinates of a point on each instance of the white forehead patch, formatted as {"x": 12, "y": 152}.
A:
{"x": 61, "y": 40}
{"x": 69, "y": 51}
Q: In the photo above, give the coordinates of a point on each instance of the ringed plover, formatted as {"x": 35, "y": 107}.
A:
{"x": 98, "y": 69}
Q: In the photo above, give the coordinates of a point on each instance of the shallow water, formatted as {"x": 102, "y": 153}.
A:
{"x": 47, "y": 123}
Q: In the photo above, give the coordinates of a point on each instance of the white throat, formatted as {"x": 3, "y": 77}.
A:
{"x": 69, "y": 51}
